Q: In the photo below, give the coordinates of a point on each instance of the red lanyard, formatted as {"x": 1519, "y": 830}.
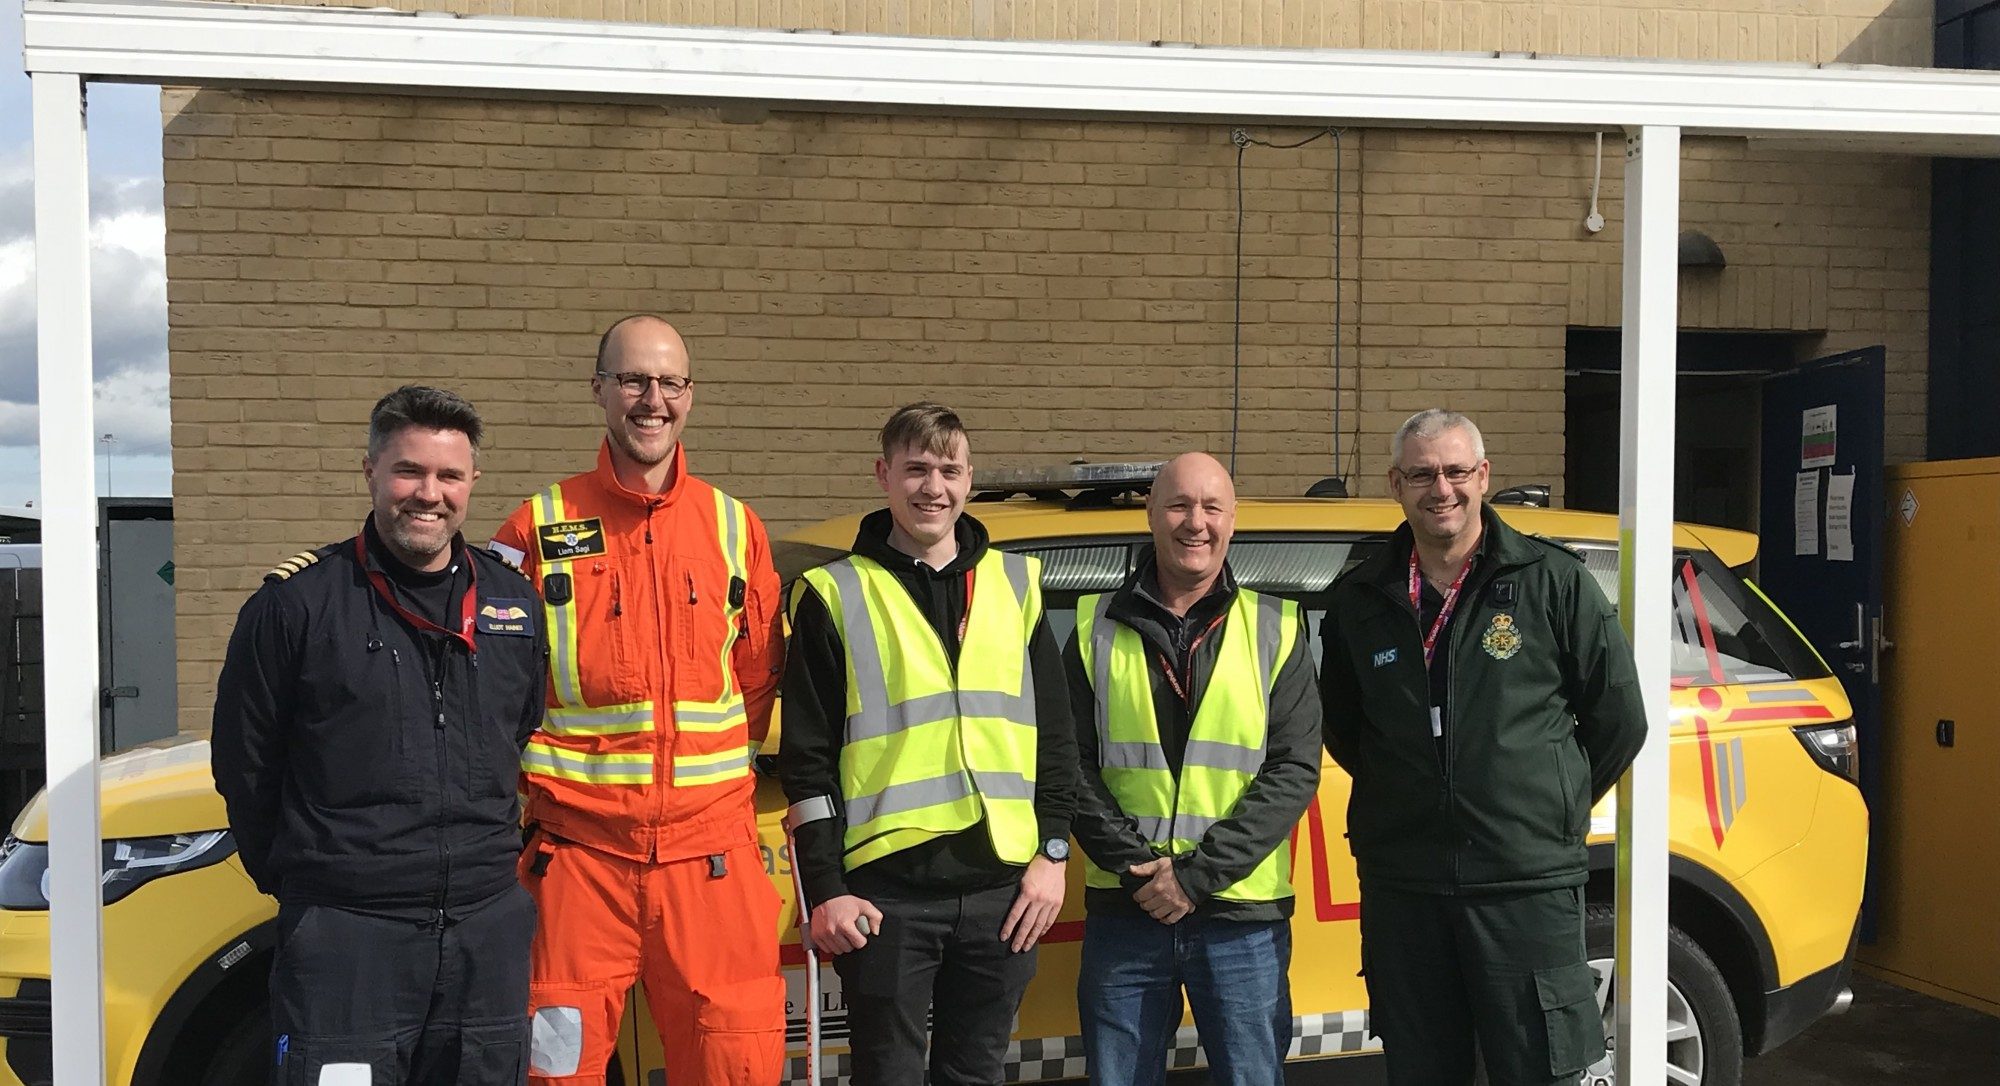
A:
{"x": 1167, "y": 666}
{"x": 965, "y": 616}
{"x": 466, "y": 613}
{"x": 1444, "y": 612}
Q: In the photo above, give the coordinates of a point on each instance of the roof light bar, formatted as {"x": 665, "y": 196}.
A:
{"x": 1068, "y": 477}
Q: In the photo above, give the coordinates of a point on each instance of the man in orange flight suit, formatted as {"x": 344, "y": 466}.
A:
{"x": 665, "y": 654}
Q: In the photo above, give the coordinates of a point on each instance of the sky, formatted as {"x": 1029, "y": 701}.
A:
{"x": 128, "y": 284}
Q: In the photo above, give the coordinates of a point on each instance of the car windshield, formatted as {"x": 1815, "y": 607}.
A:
{"x": 1725, "y": 632}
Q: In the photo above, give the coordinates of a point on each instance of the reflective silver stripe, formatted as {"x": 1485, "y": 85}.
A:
{"x": 562, "y": 638}
{"x": 1132, "y": 756}
{"x": 816, "y": 809}
{"x": 597, "y": 768}
{"x": 1227, "y": 756}
{"x": 1102, "y": 633}
{"x": 1270, "y": 631}
{"x": 693, "y": 769}
{"x": 1158, "y": 829}
{"x": 857, "y": 628}
{"x": 1192, "y": 827}
{"x": 907, "y": 796}
{"x": 610, "y": 720}
{"x": 702, "y": 712}
{"x": 732, "y": 531}
{"x": 1016, "y": 569}
{"x": 997, "y": 785}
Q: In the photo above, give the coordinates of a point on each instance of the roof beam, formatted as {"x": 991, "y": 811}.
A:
{"x": 201, "y": 43}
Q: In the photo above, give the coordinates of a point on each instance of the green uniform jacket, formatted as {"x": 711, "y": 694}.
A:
{"x": 1542, "y": 716}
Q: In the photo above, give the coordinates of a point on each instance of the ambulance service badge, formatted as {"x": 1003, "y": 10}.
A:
{"x": 1501, "y": 640}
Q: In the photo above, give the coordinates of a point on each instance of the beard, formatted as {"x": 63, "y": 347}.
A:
{"x": 422, "y": 541}
{"x": 629, "y": 445}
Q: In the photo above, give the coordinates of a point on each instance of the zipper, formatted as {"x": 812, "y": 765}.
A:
{"x": 617, "y": 596}
{"x": 664, "y": 672}
{"x": 443, "y": 778}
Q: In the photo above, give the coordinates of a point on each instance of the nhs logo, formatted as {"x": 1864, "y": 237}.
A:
{"x": 1385, "y": 657}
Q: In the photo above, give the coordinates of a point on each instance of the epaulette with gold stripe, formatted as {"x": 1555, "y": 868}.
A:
{"x": 505, "y": 560}
{"x": 283, "y": 570}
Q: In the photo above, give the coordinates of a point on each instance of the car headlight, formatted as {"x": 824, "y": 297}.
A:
{"x": 129, "y": 863}
{"x": 1833, "y": 747}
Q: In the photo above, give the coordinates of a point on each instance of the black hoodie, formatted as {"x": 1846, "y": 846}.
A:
{"x": 815, "y": 719}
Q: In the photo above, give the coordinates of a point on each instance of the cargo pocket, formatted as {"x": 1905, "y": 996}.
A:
{"x": 740, "y": 1031}
{"x": 493, "y": 1055}
{"x": 337, "y": 1063}
{"x": 1568, "y": 994}
{"x": 555, "y": 1047}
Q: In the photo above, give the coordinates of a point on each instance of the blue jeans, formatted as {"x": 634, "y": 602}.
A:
{"x": 1128, "y": 995}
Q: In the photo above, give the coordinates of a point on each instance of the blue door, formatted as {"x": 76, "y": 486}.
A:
{"x": 1821, "y": 511}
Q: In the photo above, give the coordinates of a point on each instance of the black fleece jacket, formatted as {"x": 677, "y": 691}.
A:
{"x": 368, "y": 762}
{"x": 815, "y": 721}
{"x": 1265, "y": 815}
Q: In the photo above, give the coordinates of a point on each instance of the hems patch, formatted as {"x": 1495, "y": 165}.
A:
{"x": 568, "y": 540}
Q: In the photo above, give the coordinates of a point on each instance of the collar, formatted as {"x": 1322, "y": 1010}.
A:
{"x": 1500, "y": 547}
{"x": 607, "y": 477}
{"x": 1144, "y": 586}
{"x": 378, "y": 579}
{"x": 871, "y": 541}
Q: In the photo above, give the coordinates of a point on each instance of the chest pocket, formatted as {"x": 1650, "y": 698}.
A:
{"x": 704, "y": 627}
{"x": 361, "y": 746}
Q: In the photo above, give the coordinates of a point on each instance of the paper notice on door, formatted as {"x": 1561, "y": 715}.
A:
{"x": 1817, "y": 442}
{"x": 1840, "y": 518}
{"x": 1805, "y": 514}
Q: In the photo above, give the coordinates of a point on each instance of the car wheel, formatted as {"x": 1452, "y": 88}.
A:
{"x": 239, "y": 1058}
{"x": 1704, "y": 1035}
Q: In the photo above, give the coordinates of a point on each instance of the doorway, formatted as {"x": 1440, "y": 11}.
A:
{"x": 1716, "y": 422}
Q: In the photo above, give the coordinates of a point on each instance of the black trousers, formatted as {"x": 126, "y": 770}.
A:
{"x": 943, "y": 955}
{"x": 361, "y": 999}
{"x": 1506, "y": 971}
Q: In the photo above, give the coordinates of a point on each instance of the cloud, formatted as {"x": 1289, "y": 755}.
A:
{"x": 128, "y": 308}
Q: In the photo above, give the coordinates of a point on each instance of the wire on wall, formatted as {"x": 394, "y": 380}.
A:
{"x": 1243, "y": 140}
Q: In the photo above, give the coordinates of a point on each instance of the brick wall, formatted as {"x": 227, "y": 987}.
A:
{"x": 1069, "y": 285}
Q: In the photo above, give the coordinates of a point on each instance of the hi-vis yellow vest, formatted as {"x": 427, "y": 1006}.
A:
{"x": 928, "y": 752}
{"x": 1225, "y": 746}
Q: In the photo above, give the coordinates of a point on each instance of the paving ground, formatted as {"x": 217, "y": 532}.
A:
{"x": 1890, "y": 1035}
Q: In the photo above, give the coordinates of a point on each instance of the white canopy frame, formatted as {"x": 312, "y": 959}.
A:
{"x": 195, "y": 42}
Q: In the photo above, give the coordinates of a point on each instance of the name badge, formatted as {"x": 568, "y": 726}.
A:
{"x": 568, "y": 540}
{"x": 508, "y": 618}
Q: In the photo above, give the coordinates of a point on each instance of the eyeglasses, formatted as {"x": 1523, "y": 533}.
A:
{"x": 636, "y": 384}
{"x": 1423, "y": 477}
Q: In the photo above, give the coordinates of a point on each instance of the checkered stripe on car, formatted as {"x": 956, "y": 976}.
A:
{"x": 834, "y": 1067}
{"x": 1327, "y": 1034}
{"x": 1046, "y": 1059}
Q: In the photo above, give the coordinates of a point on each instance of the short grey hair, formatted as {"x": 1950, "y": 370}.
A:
{"x": 1428, "y": 424}
{"x": 425, "y": 407}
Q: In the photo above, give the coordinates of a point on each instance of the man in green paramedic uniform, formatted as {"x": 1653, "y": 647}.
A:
{"x": 1479, "y": 690}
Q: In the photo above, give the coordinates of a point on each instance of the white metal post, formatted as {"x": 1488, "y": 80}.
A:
{"x": 69, "y": 576}
{"x": 1645, "y": 585}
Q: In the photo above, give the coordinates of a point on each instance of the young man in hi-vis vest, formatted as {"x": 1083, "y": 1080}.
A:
{"x": 665, "y": 652}
{"x": 931, "y": 793}
{"x": 1199, "y": 730}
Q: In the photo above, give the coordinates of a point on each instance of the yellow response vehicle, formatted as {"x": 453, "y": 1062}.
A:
{"x": 1768, "y": 831}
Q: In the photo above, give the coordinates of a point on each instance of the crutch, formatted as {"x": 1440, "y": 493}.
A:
{"x": 799, "y": 814}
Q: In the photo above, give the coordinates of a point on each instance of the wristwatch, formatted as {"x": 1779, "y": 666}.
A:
{"x": 1055, "y": 848}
